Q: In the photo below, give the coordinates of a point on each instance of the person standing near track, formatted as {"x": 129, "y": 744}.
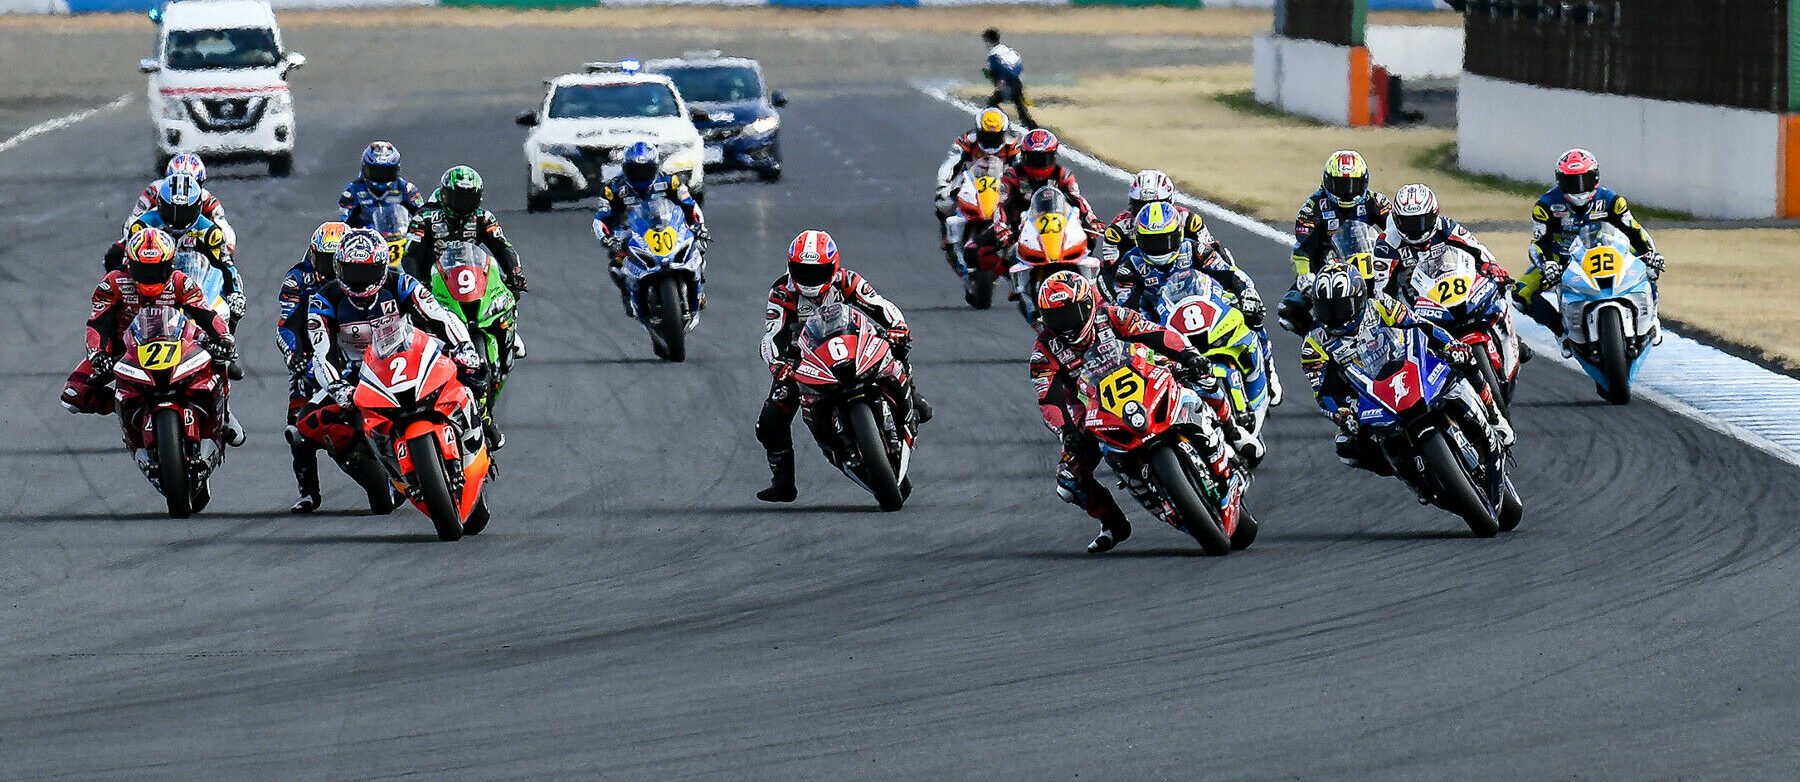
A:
{"x": 1004, "y": 67}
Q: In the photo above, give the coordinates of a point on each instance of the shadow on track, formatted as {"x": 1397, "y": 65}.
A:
{"x": 341, "y": 538}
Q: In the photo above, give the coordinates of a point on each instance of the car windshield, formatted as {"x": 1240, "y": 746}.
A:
{"x": 716, "y": 84}
{"x": 579, "y": 101}
{"x": 238, "y": 47}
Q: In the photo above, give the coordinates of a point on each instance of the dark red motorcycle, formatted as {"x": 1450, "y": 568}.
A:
{"x": 851, "y": 389}
{"x": 171, "y": 400}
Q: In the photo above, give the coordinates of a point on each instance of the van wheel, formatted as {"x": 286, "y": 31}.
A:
{"x": 281, "y": 165}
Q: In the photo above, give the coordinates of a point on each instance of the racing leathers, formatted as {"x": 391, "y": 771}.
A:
{"x": 964, "y": 150}
{"x": 436, "y": 225}
{"x": 116, "y": 302}
{"x": 1318, "y": 220}
{"x": 338, "y": 330}
{"x": 1016, "y": 188}
{"x": 1323, "y": 355}
{"x": 295, "y": 299}
{"x": 1553, "y": 221}
{"x": 787, "y": 313}
{"x": 210, "y": 208}
{"x": 1054, "y": 365}
{"x": 1137, "y": 285}
{"x": 203, "y": 236}
{"x": 360, "y": 199}
{"x": 1406, "y": 256}
{"x": 618, "y": 197}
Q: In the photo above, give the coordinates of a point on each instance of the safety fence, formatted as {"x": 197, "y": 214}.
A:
{"x": 28, "y": 7}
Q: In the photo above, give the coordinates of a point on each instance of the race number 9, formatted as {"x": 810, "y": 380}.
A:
{"x": 465, "y": 281}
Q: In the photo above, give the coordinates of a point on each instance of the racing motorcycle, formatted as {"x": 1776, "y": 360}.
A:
{"x": 1608, "y": 304}
{"x": 423, "y": 424}
{"x": 665, "y": 275}
{"x": 850, "y": 394}
{"x": 1161, "y": 439}
{"x": 979, "y": 263}
{"x": 394, "y": 223}
{"x": 329, "y": 427}
{"x": 1352, "y": 244}
{"x": 1052, "y": 238}
{"x": 469, "y": 283}
{"x": 1446, "y": 288}
{"x": 1412, "y": 405}
{"x": 1199, "y": 307}
{"x": 171, "y": 402}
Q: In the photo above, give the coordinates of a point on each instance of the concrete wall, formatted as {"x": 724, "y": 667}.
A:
{"x": 1708, "y": 160}
{"x": 1309, "y": 78}
{"x": 1416, "y": 51}
{"x": 33, "y": 7}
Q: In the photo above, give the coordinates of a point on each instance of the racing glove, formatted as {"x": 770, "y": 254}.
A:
{"x": 1293, "y": 312}
{"x": 298, "y": 364}
{"x": 238, "y": 305}
{"x": 1345, "y": 418}
{"x": 516, "y": 281}
{"x": 781, "y": 371}
{"x": 1461, "y": 354}
{"x": 614, "y": 244}
{"x": 702, "y": 237}
{"x": 1252, "y": 306}
{"x": 101, "y": 362}
{"x": 1196, "y": 372}
{"x": 342, "y": 392}
{"x": 1653, "y": 261}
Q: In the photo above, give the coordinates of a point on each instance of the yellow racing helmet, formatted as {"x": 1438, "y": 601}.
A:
{"x": 990, "y": 130}
{"x": 1157, "y": 228}
{"x": 1346, "y": 176}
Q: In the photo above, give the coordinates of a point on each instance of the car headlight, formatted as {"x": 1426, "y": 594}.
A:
{"x": 174, "y": 109}
{"x": 765, "y": 125}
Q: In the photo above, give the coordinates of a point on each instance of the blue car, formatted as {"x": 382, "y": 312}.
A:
{"x": 733, "y": 109}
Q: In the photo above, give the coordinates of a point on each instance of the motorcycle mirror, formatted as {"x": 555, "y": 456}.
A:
{"x": 778, "y": 99}
{"x": 295, "y": 60}
{"x": 527, "y": 118}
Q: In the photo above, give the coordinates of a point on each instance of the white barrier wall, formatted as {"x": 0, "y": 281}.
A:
{"x": 1416, "y": 51}
{"x": 1309, "y": 78}
{"x": 33, "y": 7}
{"x": 1711, "y": 161}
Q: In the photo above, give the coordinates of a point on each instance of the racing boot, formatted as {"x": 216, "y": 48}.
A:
{"x": 1525, "y": 353}
{"x": 518, "y": 344}
{"x": 1502, "y": 427}
{"x": 306, "y": 473}
{"x": 618, "y": 278}
{"x": 496, "y": 438}
{"x": 1274, "y": 382}
{"x": 1114, "y": 529}
{"x": 233, "y": 431}
{"x": 781, "y": 478}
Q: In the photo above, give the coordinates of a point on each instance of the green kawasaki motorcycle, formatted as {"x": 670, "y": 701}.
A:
{"x": 467, "y": 281}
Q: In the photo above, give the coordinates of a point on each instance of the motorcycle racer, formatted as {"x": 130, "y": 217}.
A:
{"x": 1344, "y": 196}
{"x": 148, "y": 279}
{"x": 455, "y": 214}
{"x": 178, "y": 213}
{"x": 814, "y": 279}
{"x": 1343, "y": 311}
{"x": 1416, "y": 228}
{"x": 640, "y": 179}
{"x": 1074, "y": 320}
{"x": 379, "y": 183}
{"x": 316, "y": 269}
{"x": 1161, "y": 248}
{"x": 993, "y": 136}
{"x": 189, "y": 163}
{"x": 1147, "y": 187}
{"x": 339, "y": 320}
{"x": 1035, "y": 168}
{"x": 1575, "y": 201}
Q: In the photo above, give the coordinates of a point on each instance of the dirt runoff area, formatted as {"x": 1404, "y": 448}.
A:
{"x": 1201, "y": 126}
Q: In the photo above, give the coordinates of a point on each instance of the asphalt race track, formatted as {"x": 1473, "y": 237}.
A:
{"x": 634, "y": 613}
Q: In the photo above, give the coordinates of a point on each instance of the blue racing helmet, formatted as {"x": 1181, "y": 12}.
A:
{"x": 641, "y": 165}
{"x": 178, "y": 201}
{"x": 380, "y": 164}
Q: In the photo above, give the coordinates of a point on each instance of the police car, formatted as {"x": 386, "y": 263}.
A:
{"x": 586, "y": 120}
{"x": 734, "y": 110}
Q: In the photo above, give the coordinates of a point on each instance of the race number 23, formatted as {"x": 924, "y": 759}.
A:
{"x": 1122, "y": 386}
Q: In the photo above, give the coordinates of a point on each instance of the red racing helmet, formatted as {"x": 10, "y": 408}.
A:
{"x": 1037, "y": 153}
{"x": 813, "y": 262}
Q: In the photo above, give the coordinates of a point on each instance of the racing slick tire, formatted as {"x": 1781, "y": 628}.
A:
{"x": 1615, "y": 365}
{"x": 1512, "y": 509}
{"x": 871, "y": 448}
{"x": 1247, "y": 527}
{"x": 1459, "y": 494}
{"x": 171, "y": 463}
{"x": 428, "y": 474}
{"x": 671, "y": 327}
{"x": 1197, "y": 515}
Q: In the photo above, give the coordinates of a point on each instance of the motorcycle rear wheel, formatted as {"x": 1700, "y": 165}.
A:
{"x": 877, "y": 472}
{"x": 428, "y": 475}
{"x": 1459, "y": 494}
{"x": 171, "y": 463}
{"x": 1197, "y": 515}
{"x": 673, "y": 328}
{"x": 979, "y": 289}
{"x": 1615, "y": 366}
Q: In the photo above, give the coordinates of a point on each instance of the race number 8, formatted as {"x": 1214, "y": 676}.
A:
{"x": 1192, "y": 319}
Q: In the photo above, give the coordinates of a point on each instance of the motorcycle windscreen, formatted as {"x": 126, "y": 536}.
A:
{"x": 390, "y": 220}
{"x": 157, "y": 333}
{"x": 465, "y": 271}
{"x": 390, "y": 335}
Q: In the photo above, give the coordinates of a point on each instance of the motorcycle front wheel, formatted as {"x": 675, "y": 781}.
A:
{"x": 171, "y": 463}
{"x": 1197, "y": 515}
{"x": 672, "y": 326}
{"x": 428, "y": 475}
{"x": 871, "y": 447}
{"x": 1615, "y": 366}
{"x": 1459, "y": 494}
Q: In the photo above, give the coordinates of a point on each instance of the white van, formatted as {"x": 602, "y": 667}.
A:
{"x": 218, "y": 84}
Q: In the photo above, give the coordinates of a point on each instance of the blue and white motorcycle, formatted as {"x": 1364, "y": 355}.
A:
{"x": 210, "y": 278}
{"x": 1416, "y": 409}
{"x": 665, "y": 275}
{"x": 1608, "y": 302}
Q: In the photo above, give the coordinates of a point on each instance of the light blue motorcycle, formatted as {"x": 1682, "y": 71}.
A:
{"x": 665, "y": 275}
{"x": 1608, "y": 303}
{"x": 211, "y": 280}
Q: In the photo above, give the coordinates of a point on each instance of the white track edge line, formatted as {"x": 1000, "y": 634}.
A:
{"x": 58, "y": 123}
{"x": 1543, "y": 343}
